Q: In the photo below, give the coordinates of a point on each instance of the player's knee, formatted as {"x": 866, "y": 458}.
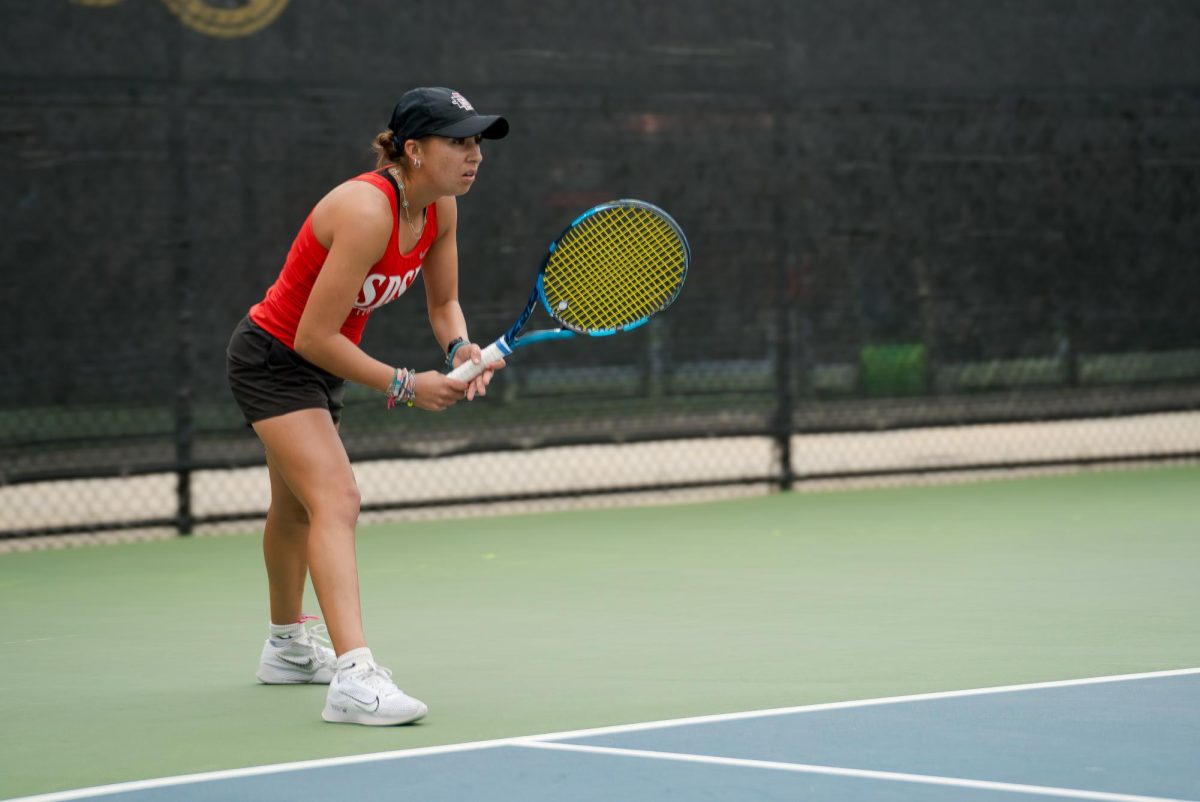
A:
{"x": 290, "y": 514}
{"x": 342, "y": 503}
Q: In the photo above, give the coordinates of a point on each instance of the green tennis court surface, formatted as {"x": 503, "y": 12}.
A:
{"x": 134, "y": 662}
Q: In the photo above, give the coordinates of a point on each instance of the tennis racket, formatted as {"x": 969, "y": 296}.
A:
{"x": 611, "y": 269}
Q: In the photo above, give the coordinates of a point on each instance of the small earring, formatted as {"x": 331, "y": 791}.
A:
{"x": 417, "y": 164}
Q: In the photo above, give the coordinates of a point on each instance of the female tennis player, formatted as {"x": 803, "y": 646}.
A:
{"x": 361, "y": 247}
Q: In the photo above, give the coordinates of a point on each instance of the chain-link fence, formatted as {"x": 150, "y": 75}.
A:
{"x": 969, "y": 231}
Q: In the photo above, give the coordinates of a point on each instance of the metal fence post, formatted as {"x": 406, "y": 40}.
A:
{"x": 180, "y": 255}
{"x": 782, "y": 235}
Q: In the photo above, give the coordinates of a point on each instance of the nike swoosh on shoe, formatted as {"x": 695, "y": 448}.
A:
{"x": 306, "y": 665}
{"x": 370, "y": 707}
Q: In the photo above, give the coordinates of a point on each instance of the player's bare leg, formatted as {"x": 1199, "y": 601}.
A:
{"x": 307, "y": 455}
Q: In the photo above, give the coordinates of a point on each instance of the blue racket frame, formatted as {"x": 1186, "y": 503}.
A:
{"x": 513, "y": 339}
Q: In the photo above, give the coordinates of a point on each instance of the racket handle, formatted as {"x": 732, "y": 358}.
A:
{"x": 493, "y": 353}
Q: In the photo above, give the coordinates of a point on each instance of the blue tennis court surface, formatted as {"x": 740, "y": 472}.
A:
{"x": 1134, "y": 737}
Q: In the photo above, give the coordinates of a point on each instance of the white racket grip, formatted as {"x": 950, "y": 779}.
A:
{"x": 493, "y": 353}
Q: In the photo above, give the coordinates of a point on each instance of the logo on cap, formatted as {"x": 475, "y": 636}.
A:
{"x": 460, "y": 101}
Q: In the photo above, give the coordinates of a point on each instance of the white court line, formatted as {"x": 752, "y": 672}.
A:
{"x": 892, "y": 776}
{"x": 526, "y": 740}
{"x": 256, "y": 771}
{"x": 887, "y": 700}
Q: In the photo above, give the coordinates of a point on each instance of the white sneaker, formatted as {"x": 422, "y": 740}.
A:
{"x": 307, "y": 658}
{"x": 363, "y": 693}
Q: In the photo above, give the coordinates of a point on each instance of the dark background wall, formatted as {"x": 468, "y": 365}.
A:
{"x": 991, "y": 179}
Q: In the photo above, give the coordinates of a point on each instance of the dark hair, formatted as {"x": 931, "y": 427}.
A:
{"x": 385, "y": 150}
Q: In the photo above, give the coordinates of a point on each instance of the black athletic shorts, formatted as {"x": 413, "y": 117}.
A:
{"x": 269, "y": 379}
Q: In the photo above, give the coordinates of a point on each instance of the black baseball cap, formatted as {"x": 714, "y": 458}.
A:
{"x": 443, "y": 112}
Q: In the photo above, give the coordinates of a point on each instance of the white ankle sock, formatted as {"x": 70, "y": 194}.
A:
{"x": 355, "y": 657}
{"x": 287, "y": 632}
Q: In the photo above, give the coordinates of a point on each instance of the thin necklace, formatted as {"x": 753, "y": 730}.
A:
{"x": 404, "y": 201}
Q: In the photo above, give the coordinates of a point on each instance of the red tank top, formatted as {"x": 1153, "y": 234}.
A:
{"x": 278, "y": 313}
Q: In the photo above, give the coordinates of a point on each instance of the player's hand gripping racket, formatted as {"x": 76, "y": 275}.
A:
{"x": 610, "y": 270}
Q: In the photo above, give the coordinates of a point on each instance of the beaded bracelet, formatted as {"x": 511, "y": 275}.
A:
{"x": 402, "y": 388}
{"x": 455, "y": 344}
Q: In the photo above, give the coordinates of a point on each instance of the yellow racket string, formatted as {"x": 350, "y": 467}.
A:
{"x": 615, "y": 268}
